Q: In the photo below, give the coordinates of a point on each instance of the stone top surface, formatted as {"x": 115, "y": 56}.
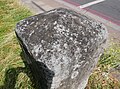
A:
{"x": 60, "y": 31}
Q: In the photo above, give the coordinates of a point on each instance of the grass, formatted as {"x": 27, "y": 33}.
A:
{"x": 10, "y": 60}
{"x": 13, "y": 74}
{"x": 101, "y": 77}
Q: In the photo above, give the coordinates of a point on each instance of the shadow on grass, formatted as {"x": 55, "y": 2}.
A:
{"x": 12, "y": 74}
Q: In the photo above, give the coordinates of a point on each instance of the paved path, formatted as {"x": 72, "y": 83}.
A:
{"x": 107, "y": 9}
{"x": 39, "y": 6}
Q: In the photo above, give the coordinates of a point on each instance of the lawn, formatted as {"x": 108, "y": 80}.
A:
{"x": 103, "y": 77}
{"x": 14, "y": 74}
{"x": 11, "y": 65}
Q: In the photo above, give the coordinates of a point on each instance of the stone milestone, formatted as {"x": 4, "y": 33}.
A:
{"x": 61, "y": 47}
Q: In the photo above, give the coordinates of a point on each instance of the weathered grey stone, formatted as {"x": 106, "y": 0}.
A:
{"x": 62, "y": 47}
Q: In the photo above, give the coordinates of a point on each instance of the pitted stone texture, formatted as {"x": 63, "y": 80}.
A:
{"x": 68, "y": 43}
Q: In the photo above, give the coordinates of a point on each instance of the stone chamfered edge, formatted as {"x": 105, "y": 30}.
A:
{"x": 61, "y": 47}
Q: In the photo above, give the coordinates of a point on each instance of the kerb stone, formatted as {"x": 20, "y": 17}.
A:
{"x": 62, "y": 47}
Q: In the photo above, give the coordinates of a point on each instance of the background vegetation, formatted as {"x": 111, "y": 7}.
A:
{"x": 14, "y": 74}
{"x": 107, "y": 73}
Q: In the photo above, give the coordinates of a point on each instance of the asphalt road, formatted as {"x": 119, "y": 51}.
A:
{"x": 107, "y": 9}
